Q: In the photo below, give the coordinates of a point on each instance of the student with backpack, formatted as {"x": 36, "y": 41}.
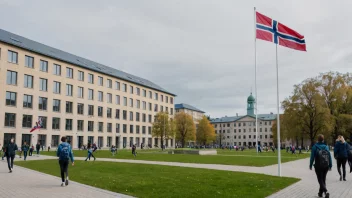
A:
{"x": 64, "y": 152}
{"x": 25, "y": 149}
{"x": 323, "y": 163}
{"x": 341, "y": 155}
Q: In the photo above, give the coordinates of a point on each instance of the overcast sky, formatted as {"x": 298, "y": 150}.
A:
{"x": 201, "y": 50}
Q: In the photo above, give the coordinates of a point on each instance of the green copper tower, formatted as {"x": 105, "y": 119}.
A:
{"x": 250, "y": 105}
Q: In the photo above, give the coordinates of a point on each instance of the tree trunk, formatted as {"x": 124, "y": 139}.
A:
{"x": 162, "y": 144}
{"x": 302, "y": 142}
{"x": 183, "y": 142}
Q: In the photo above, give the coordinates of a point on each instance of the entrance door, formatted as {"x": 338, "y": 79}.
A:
{"x": 117, "y": 142}
{"x": 8, "y": 137}
{"x": 90, "y": 140}
{"x": 100, "y": 142}
{"x": 27, "y": 138}
{"x": 80, "y": 141}
{"x": 42, "y": 140}
{"x": 124, "y": 142}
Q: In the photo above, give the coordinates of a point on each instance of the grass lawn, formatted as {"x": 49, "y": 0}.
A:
{"x": 141, "y": 180}
{"x": 226, "y": 157}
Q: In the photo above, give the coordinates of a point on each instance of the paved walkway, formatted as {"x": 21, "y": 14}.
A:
{"x": 25, "y": 183}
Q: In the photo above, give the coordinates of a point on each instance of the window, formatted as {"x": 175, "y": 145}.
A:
{"x": 11, "y": 78}
{"x": 80, "y": 92}
{"x": 150, "y": 106}
{"x": 100, "y": 111}
{"x": 55, "y": 140}
{"x": 11, "y": 98}
{"x": 244, "y": 130}
{"x": 162, "y": 98}
{"x": 166, "y": 99}
{"x": 117, "y": 85}
{"x": 80, "y": 75}
{"x": 68, "y": 125}
{"x": 12, "y": 57}
{"x": 155, "y": 96}
{"x": 90, "y": 94}
{"x": 109, "y": 127}
{"x": 138, "y": 104}
{"x": 57, "y": 69}
{"x": 80, "y": 108}
{"x": 143, "y": 129}
{"x": 69, "y": 90}
{"x": 124, "y": 87}
{"x": 109, "y": 98}
{"x": 144, "y": 104}
{"x": 56, "y": 105}
{"x": 149, "y": 130}
{"x": 100, "y": 126}
{"x": 260, "y": 130}
{"x": 43, "y": 66}
{"x": 108, "y": 112}
{"x": 109, "y": 83}
{"x": 57, "y": 87}
{"x": 131, "y": 89}
{"x": 27, "y": 101}
{"x": 69, "y": 72}
{"x": 117, "y": 113}
{"x": 117, "y": 99}
{"x": 171, "y": 100}
{"x": 266, "y": 129}
{"x": 56, "y": 123}
{"x": 43, "y": 84}
{"x": 117, "y": 128}
{"x": 43, "y": 103}
{"x": 124, "y": 114}
{"x": 131, "y": 116}
{"x": 91, "y": 78}
{"x": 124, "y": 128}
{"x": 100, "y": 81}
{"x": 91, "y": 110}
{"x": 150, "y": 95}
{"x": 155, "y": 108}
{"x": 150, "y": 118}
{"x": 144, "y": 117}
{"x": 167, "y": 109}
{"x": 100, "y": 96}
{"x": 44, "y": 121}
{"x": 80, "y": 125}
{"x": 137, "y": 129}
{"x": 125, "y": 101}
{"x": 138, "y": 91}
{"x": 29, "y": 61}
{"x": 228, "y": 125}
{"x": 137, "y": 116}
{"x": 144, "y": 93}
{"x": 10, "y": 119}
{"x": 90, "y": 125}
{"x": 69, "y": 107}
{"x": 161, "y": 108}
{"x": 265, "y": 123}
{"x": 27, "y": 121}
{"x": 131, "y": 128}
{"x": 131, "y": 102}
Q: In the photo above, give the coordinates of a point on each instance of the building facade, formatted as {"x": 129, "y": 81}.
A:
{"x": 74, "y": 97}
{"x": 196, "y": 113}
{"x": 241, "y": 130}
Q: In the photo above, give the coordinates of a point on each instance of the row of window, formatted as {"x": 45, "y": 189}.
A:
{"x": 244, "y": 130}
{"x": 11, "y": 100}
{"x": 239, "y": 124}
{"x": 254, "y": 137}
{"x": 29, "y": 62}
{"x": 27, "y": 122}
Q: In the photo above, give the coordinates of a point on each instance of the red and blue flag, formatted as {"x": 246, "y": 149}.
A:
{"x": 38, "y": 125}
{"x": 271, "y": 30}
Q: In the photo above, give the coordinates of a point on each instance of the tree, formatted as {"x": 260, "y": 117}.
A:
{"x": 205, "y": 131}
{"x": 185, "y": 128}
{"x": 163, "y": 127}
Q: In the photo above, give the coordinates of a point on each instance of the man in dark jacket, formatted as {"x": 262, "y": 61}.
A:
{"x": 340, "y": 154}
{"x": 25, "y": 149}
{"x": 64, "y": 152}
{"x": 37, "y": 148}
{"x": 321, "y": 172}
{"x": 11, "y": 149}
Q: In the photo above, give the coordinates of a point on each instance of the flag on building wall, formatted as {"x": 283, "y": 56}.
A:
{"x": 38, "y": 125}
{"x": 273, "y": 31}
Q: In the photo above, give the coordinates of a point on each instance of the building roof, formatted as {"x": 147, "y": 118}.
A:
{"x": 264, "y": 117}
{"x": 250, "y": 98}
{"x": 36, "y": 47}
{"x": 187, "y": 106}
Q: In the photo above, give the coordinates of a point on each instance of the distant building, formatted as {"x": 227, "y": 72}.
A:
{"x": 241, "y": 130}
{"x": 196, "y": 114}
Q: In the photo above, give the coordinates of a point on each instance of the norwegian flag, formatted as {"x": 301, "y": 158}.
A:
{"x": 270, "y": 30}
{"x": 38, "y": 125}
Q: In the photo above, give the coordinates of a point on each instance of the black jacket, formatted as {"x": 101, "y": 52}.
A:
{"x": 37, "y": 146}
{"x": 11, "y": 149}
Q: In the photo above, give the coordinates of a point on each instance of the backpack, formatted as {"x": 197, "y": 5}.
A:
{"x": 322, "y": 158}
{"x": 65, "y": 152}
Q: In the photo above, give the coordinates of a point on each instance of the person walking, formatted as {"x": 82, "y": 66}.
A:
{"x": 90, "y": 153}
{"x": 25, "y": 149}
{"x": 37, "y": 148}
{"x": 31, "y": 150}
{"x": 340, "y": 154}
{"x": 64, "y": 152}
{"x": 321, "y": 156}
{"x": 134, "y": 150}
{"x": 11, "y": 149}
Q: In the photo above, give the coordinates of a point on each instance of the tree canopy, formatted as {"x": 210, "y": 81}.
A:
{"x": 185, "y": 128}
{"x": 205, "y": 132}
{"x": 163, "y": 127}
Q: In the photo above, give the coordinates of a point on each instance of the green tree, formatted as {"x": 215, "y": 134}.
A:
{"x": 163, "y": 127}
{"x": 185, "y": 128}
{"x": 205, "y": 132}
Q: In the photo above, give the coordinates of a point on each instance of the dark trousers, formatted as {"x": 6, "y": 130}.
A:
{"x": 10, "y": 159}
{"x": 341, "y": 162}
{"x": 25, "y": 155}
{"x": 321, "y": 176}
{"x": 38, "y": 151}
{"x": 30, "y": 152}
{"x": 63, "y": 169}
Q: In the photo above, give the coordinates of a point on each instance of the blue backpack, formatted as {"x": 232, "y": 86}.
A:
{"x": 65, "y": 152}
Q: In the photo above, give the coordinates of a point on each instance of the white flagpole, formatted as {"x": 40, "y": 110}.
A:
{"x": 278, "y": 117}
{"x": 255, "y": 80}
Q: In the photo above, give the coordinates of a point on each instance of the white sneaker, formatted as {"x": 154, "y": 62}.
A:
{"x": 63, "y": 184}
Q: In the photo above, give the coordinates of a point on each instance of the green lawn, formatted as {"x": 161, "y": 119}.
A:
{"x": 142, "y": 180}
{"x": 226, "y": 157}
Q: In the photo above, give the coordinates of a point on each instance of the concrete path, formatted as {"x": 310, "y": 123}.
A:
{"x": 25, "y": 183}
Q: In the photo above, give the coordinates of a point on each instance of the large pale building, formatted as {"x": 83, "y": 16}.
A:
{"x": 241, "y": 130}
{"x": 196, "y": 113}
{"x": 74, "y": 97}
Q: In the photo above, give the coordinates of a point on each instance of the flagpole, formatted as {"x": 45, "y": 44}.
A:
{"x": 255, "y": 80}
{"x": 278, "y": 117}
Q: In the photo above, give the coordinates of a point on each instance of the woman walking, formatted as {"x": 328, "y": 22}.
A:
{"x": 11, "y": 149}
{"x": 340, "y": 154}
{"x": 90, "y": 153}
